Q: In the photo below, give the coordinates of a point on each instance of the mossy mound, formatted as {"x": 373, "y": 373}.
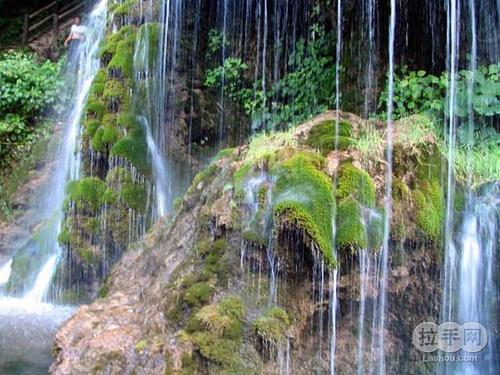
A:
{"x": 88, "y": 191}
{"x": 357, "y": 184}
{"x": 303, "y": 194}
{"x": 323, "y": 136}
{"x": 217, "y": 332}
{"x": 123, "y": 59}
{"x": 351, "y": 233}
{"x": 429, "y": 209}
{"x": 133, "y": 148}
{"x": 272, "y": 327}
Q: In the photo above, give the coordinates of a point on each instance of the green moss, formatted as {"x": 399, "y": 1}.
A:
{"x": 215, "y": 263}
{"x": 239, "y": 179}
{"x": 272, "y": 326}
{"x": 199, "y": 294}
{"x": 429, "y": 209}
{"x": 97, "y": 87}
{"x": 134, "y": 196}
{"x": 148, "y": 37}
{"x": 87, "y": 255}
{"x": 203, "y": 176}
{"x": 88, "y": 190}
{"x": 351, "y": 233}
{"x": 251, "y": 235}
{"x": 95, "y": 109}
{"x": 133, "y": 148}
{"x": 90, "y": 225}
{"x": 115, "y": 89}
{"x": 224, "y": 153}
{"x": 127, "y": 8}
{"x": 91, "y": 127}
{"x": 217, "y": 349}
{"x": 357, "y": 184}
{"x": 232, "y": 306}
{"x": 141, "y": 345}
{"x": 109, "y": 46}
{"x": 322, "y": 136}
{"x": 64, "y": 237}
{"x": 123, "y": 57}
{"x": 97, "y": 142}
{"x": 110, "y": 135}
{"x": 304, "y": 193}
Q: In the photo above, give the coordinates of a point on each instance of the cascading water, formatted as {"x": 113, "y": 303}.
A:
{"x": 477, "y": 289}
{"x": 384, "y": 264}
{"x": 450, "y": 251}
{"x": 5, "y": 271}
{"x": 27, "y": 323}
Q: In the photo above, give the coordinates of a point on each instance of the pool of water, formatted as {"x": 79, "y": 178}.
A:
{"x": 26, "y": 335}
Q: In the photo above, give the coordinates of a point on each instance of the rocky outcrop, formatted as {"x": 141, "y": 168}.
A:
{"x": 239, "y": 279}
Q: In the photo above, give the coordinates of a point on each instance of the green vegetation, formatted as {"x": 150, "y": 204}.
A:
{"x": 27, "y": 88}
{"x": 355, "y": 183}
{"x": 419, "y": 92}
{"x": 323, "y": 138}
{"x": 217, "y": 330}
{"x": 369, "y": 144}
{"x": 304, "y": 92}
{"x": 88, "y": 191}
{"x": 272, "y": 327}
{"x": 429, "y": 209}
{"x": 304, "y": 194}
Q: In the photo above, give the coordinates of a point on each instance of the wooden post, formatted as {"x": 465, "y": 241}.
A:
{"x": 25, "y": 28}
{"x": 55, "y": 29}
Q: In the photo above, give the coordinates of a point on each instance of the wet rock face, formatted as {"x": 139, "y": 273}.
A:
{"x": 231, "y": 284}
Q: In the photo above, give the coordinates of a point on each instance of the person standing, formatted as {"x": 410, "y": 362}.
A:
{"x": 74, "y": 39}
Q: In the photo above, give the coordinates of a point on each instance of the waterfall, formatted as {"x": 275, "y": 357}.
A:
{"x": 384, "y": 270}
{"x": 43, "y": 280}
{"x": 370, "y": 85}
{"x": 27, "y": 324}
{"x": 450, "y": 265}
{"x": 68, "y": 157}
{"x": 476, "y": 281}
{"x": 5, "y": 271}
{"x": 144, "y": 69}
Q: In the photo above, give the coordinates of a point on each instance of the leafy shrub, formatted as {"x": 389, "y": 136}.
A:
{"x": 307, "y": 90}
{"x": 420, "y": 92}
{"x": 26, "y": 86}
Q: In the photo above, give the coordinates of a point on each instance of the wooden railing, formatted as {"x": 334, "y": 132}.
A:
{"x": 51, "y": 14}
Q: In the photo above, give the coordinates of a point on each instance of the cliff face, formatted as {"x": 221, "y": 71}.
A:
{"x": 241, "y": 278}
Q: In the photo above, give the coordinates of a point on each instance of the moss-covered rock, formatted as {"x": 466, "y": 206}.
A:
{"x": 135, "y": 196}
{"x": 351, "y": 233}
{"x": 89, "y": 191}
{"x": 323, "y": 136}
{"x": 357, "y": 184}
{"x": 133, "y": 148}
{"x": 199, "y": 294}
{"x": 272, "y": 327}
{"x": 429, "y": 209}
{"x": 303, "y": 194}
{"x": 217, "y": 332}
{"x": 123, "y": 57}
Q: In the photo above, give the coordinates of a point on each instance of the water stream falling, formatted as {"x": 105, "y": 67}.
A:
{"x": 28, "y": 322}
{"x": 476, "y": 274}
{"x": 5, "y": 271}
{"x": 450, "y": 250}
{"x": 384, "y": 277}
